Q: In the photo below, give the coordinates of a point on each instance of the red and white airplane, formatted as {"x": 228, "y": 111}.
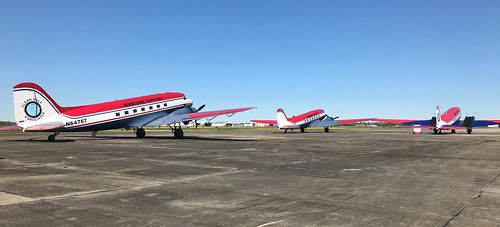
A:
{"x": 315, "y": 118}
{"x": 450, "y": 120}
{"x": 36, "y": 111}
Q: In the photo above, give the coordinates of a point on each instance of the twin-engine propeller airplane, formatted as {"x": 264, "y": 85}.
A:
{"x": 450, "y": 120}
{"x": 36, "y": 111}
{"x": 315, "y": 118}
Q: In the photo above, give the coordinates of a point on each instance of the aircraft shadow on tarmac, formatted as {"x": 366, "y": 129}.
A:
{"x": 63, "y": 140}
{"x": 43, "y": 140}
{"x": 167, "y": 138}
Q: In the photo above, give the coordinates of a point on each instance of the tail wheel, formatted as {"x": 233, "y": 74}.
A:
{"x": 52, "y": 138}
{"x": 140, "y": 133}
{"x": 178, "y": 133}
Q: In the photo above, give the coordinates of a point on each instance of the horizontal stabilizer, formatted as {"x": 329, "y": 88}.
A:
{"x": 15, "y": 127}
{"x": 290, "y": 127}
{"x": 43, "y": 128}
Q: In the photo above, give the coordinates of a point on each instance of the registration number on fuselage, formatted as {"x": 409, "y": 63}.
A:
{"x": 76, "y": 122}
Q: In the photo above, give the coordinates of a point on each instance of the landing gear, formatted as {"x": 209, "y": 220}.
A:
{"x": 140, "y": 133}
{"x": 435, "y": 131}
{"x": 469, "y": 130}
{"x": 327, "y": 130}
{"x": 177, "y": 130}
{"x": 178, "y": 133}
{"x": 52, "y": 137}
{"x": 453, "y": 131}
{"x": 302, "y": 130}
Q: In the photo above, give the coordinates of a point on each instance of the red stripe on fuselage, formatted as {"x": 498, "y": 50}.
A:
{"x": 77, "y": 111}
{"x": 302, "y": 117}
{"x": 123, "y": 117}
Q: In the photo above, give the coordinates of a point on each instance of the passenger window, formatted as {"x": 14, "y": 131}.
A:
{"x": 164, "y": 104}
{"x": 135, "y": 110}
{"x": 157, "y": 106}
{"x": 117, "y": 114}
{"x": 143, "y": 109}
{"x": 126, "y": 112}
{"x": 151, "y": 107}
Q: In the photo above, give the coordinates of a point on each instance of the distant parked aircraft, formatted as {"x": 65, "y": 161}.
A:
{"x": 315, "y": 118}
{"x": 450, "y": 120}
{"x": 36, "y": 111}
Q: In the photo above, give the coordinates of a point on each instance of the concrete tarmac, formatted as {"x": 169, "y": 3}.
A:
{"x": 355, "y": 177}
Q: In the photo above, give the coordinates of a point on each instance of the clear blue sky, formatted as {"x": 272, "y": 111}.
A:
{"x": 386, "y": 59}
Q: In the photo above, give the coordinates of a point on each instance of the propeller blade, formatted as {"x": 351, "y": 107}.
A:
{"x": 200, "y": 108}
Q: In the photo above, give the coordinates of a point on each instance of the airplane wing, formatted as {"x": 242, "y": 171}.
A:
{"x": 329, "y": 121}
{"x": 348, "y": 121}
{"x": 404, "y": 122}
{"x": 443, "y": 127}
{"x": 477, "y": 123}
{"x": 425, "y": 123}
{"x": 206, "y": 114}
{"x": 271, "y": 122}
{"x": 184, "y": 115}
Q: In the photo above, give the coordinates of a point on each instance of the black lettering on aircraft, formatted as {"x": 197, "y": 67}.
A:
{"x": 76, "y": 122}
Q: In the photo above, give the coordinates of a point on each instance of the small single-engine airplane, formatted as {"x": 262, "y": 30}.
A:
{"x": 36, "y": 111}
{"x": 450, "y": 120}
{"x": 315, "y": 118}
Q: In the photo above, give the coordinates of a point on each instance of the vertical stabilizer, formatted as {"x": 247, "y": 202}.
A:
{"x": 282, "y": 119}
{"x": 438, "y": 115}
{"x": 32, "y": 105}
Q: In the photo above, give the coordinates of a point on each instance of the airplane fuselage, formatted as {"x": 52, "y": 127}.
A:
{"x": 309, "y": 119}
{"x": 133, "y": 112}
{"x": 449, "y": 117}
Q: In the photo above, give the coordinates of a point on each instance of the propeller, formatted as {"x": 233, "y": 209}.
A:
{"x": 332, "y": 117}
{"x": 200, "y": 108}
{"x": 196, "y": 120}
{"x": 472, "y": 115}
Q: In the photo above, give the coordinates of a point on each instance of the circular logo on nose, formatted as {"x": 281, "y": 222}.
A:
{"x": 33, "y": 109}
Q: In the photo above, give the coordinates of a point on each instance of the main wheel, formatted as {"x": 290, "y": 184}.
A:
{"x": 327, "y": 129}
{"x": 469, "y": 131}
{"x": 52, "y": 138}
{"x": 140, "y": 133}
{"x": 453, "y": 131}
{"x": 178, "y": 133}
{"x": 302, "y": 129}
{"x": 435, "y": 131}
